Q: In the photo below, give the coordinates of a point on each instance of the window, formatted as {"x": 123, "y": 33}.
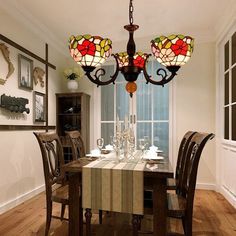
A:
{"x": 148, "y": 109}
{"x": 230, "y": 88}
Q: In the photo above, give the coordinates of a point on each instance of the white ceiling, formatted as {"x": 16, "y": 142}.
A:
{"x": 201, "y": 19}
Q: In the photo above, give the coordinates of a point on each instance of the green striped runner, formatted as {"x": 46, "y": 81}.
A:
{"x": 112, "y": 186}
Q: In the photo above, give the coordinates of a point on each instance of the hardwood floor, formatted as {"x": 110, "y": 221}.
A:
{"x": 213, "y": 215}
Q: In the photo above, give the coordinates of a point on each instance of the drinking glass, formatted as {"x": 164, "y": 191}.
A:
{"x": 146, "y": 140}
{"x": 131, "y": 146}
{"x": 141, "y": 144}
{"x": 111, "y": 140}
{"x": 116, "y": 142}
{"x": 100, "y": 143}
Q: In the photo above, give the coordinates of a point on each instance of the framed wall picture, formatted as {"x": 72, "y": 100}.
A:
{"x": 39, "y": 107}
{"x": 25, "y": 69}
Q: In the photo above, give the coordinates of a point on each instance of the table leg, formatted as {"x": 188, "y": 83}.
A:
{"x": 136, "y": 222}
{"x": 88, "y": 216}
{"x": 159, "y": 207}
{"x": 75, "y": 207}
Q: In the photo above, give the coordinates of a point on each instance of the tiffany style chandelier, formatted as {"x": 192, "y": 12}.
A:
{"x": 92, "y": 51}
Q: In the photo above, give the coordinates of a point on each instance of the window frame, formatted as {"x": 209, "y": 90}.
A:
{"x": 172, "y": 114}
{"x": 222, "y": 73}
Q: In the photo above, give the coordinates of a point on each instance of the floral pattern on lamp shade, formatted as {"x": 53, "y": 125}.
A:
{"x": 89, "y": 50}
{"x": 174, "y": 50}
{"x": 139, "y": 59}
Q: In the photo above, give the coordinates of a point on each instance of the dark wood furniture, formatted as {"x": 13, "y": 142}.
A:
{"x": 154, "y": 178}
{"x": 172, "y": 183}
{"x": 77, "y": 144}
{"x": 74, "y": 170}
{"x": 54, "y": 175}
{"x": 78, "y": 151}
{"x": 72, "y": 113}
{"x": 180, "y": 205}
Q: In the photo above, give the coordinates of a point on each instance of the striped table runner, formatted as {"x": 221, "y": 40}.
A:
{"x": 112, "y": 186}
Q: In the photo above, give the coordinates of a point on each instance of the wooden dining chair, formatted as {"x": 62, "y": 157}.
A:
{"x": 53, "y": 160}
{"x": 77, "y": 144}
{"x": 180, "y": 204}
{"x": 78, "y": 151}
{"x": 172, "y": 183}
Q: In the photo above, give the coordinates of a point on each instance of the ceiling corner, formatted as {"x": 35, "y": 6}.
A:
{"x": 14, "y": 9}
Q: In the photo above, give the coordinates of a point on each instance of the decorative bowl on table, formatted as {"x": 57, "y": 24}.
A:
{"x": 108, "y": 148}
{"x": 105, "y": 151}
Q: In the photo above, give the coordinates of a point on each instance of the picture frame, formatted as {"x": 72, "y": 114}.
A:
{"x": 39, "y": 107}
{"x": 25, "y": 71}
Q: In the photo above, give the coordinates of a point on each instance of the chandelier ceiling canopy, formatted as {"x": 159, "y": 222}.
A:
{"x": 92, "y": 51}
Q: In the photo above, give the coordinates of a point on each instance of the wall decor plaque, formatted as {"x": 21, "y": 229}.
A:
{"x": 38, "y": 74}
{"x": 14, "y": 104}
{"x": 25, "y": 70}
{"x": 6, "y": 55}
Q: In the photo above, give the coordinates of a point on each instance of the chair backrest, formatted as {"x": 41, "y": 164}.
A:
{"x": 183, "y": 153}
{"x": 77, "y": 144}
{"x": 53, "y": 159}
{"x": 195, "y": 147}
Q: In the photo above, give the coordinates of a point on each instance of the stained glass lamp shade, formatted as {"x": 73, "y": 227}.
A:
{"x": 139, "y": 59}
{"x": 174, "y": 50}
{"x": 89, "y": 51}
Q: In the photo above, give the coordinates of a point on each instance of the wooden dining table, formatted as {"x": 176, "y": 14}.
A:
{"x": 154, "y": 179}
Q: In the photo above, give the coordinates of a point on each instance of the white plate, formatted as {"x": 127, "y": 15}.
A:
{"x": 149, "y": 157}
{"x": 107, "y": 150}
{"x": 93, "y": 155}
{"x": 159, "y": 151}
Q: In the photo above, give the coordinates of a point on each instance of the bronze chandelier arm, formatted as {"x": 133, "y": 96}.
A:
{"x": 101, "y": 72}
{"x": 163, "y": 74}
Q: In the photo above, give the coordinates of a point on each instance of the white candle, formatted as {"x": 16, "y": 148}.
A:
{"x": 118, "y": 127}
{"x": 126, "y": 122}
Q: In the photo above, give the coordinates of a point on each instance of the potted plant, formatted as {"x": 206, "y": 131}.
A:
{"x": 72, "y": 75}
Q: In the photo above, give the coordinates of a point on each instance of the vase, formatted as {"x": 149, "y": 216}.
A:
{"x": 72, "y": 85}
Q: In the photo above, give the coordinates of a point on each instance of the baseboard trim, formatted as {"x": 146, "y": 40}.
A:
{"x": 206, "y": 186}
{"x": 229, "y": 196}
{"x": 15, "y": 202}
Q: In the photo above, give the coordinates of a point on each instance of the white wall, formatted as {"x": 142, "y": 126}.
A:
{"x": 21, "y": 173}
{"x": 195, "y": 106}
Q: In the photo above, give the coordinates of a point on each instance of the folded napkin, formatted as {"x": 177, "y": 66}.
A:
{"x": 153, "y": 148}
{"x": 109, "y": 147}
{"x": 152, "y": 167}
{"x": 152, "y": 155}
{"x": 94, "y": 153}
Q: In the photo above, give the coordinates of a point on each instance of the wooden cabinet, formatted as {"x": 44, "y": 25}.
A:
{"x": 72, "y": 113}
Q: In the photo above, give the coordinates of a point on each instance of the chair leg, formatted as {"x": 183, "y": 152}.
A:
{"x": 88, "y": 215}
{"x": 187, "y": 225}
{"x": 139, "y": 223}
{"x": 136, "y": 222}
{"x": 81, "y": 215}
{"x": 100, "y": 217}
{"x": 63, "y": 207}
{"x": 49, "y": 217}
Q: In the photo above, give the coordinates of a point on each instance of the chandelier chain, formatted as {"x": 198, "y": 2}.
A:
{"x": 131, "y": 10}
